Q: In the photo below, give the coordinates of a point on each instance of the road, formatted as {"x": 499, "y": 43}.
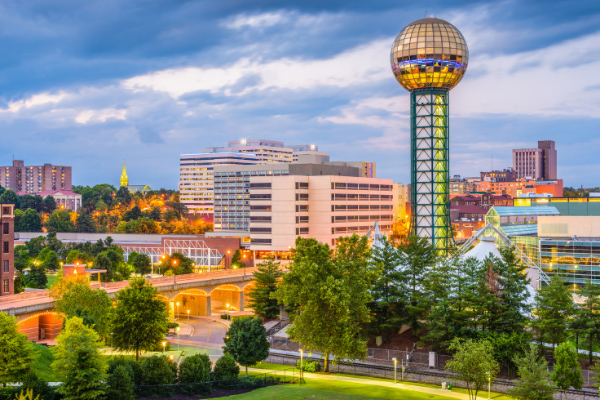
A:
{"x": 205, "y": 331}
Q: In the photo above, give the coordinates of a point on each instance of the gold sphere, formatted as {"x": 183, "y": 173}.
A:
{"x": 429, "y": 53}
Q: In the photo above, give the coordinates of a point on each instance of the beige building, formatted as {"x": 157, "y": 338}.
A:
{"x": 323, "y": 207}
{"x": 401, "y": 198}
{"x": 65, "y": 199}
{"x": 35, "y": 179}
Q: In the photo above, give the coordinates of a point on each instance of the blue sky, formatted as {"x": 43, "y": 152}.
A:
{"x": 91, "y": 83}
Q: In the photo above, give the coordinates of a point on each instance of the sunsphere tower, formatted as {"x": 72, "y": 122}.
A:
{"x": 429, "y": 57}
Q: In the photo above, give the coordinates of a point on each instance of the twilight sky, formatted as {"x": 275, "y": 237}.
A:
{"x": 90, "y": 83}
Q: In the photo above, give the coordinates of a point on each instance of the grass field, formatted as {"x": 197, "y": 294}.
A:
{"x": 51, "y": 280}
{"x": 332, "y": 390}
{"x": 42, "y": 365}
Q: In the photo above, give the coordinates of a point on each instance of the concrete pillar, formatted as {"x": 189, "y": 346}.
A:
{"x": 242, "y": 300}
{"x": 208, "y": 306}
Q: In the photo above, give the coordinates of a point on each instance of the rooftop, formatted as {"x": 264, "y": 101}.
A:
{"x": 511, "y": 211}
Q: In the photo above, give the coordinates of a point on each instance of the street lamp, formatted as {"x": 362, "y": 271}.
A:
{"x": 395, "y": 366}
{"x": 177, "y": 311}
{"x": 164, "y": 344}
{"x": 228, "y": 317}
{"x": 227, "y": 259}
{"x": 489, "y": 384}
{"x": 188, "y": 311}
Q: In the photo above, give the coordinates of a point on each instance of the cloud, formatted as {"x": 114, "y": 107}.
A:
{"x": 100, "y": 116}
{"x": 34, "y": 101}
{"x": 363, "y": 64}
{"x": 257, "y": 20}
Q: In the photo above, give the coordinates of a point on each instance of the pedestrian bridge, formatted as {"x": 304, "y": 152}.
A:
{"x": 199, "y": 294}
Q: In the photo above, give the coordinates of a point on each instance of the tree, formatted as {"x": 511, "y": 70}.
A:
{"x": 388, "y": 305}
{"x": 19, "y": 283}
{"x": 473, "y": 363}
{"x": 30, "y": 221}
{"x": 132, "y": 214}
{"x": 16, "y": 354}
{"x": 120, "y": 384}
{"x": 140, "y": 319}
{"x": 103, "y": 262}
{"x": 38, "y": 386}
{"x": 140, "y": 262}
{"x": 22, "y": 258}
{"x": 49, "y": 204}
{"x": 50, "y": 260}
{"x": 194, "y": 370}
{"x": 84, "y": 223}
{"x": 417, "y": 255}
{"x": 77, "y": 356}
{"x": 9, "y": 196}
{"x": 589, "y": 314}
{"x": 440, "y": 327}
{"x": 36, "y": 277}
{"x": 554, "y": 309}
{"x": 331, "y": 293}
{"x": 226, "y": 368}
{"x": 178, "y": 263}
{"x": 60, "y": 221}
{"x": 534, "y": 378}
{"x": 265, "y": 283}
{"x": 157, "y": 370}
{"x": 246, "y": 341}
{"x": 567, "y": 371}
{"x": 76, "y": 298}
{"x": 515, "y": 295}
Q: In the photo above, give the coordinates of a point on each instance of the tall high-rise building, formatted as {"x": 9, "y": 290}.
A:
{"x": 35, "y": 179}
{"x": 536, "y": 163}
{"x": 7, "y": 256}
{"x": 429, "y": 57}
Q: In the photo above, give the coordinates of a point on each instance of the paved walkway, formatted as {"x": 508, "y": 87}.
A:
{"x": 367, "y": 381}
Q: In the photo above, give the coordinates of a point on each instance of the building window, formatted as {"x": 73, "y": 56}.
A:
{"x": 6, "y": 229}
{"x": 6, "y": 266}
{"x": 5, "y": 210}
{"x": 260, "y": 230}
{"x": 301, "y": 196}
{"x": 261, "y": 185}
{"x": 6, "y": 286}
{"x": 6, "y": 248}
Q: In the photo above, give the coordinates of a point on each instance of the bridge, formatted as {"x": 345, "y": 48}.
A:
{"x": 200, "y": 294}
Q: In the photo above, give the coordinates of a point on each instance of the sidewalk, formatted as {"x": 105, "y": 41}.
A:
{"x": 383, "y": 383}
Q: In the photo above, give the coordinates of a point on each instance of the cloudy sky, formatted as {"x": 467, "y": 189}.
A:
{"x": 90, "y": 83}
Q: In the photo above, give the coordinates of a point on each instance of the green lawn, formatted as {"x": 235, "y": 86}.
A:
{"x": 51, "y": 280}
{"x": 42, "y": 365}
{"x": 332, "y": 390}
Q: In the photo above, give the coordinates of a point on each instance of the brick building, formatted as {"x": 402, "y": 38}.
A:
{"x": 7, "y": 269}
{"x": 35, "y": 179}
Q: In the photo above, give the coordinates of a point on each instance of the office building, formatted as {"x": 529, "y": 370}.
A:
{"x": 324, "y": 207}
{"x": 401, "y": 194}
{"x": 536, "y": 163}
{"x": 7, "y": 256}
{"x": 35, "y": 179}
{"x": 506, "y": 175}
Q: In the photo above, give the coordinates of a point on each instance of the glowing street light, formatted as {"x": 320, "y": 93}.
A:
{"x": 164, "y": 344}
{"x": 188, "y": 311}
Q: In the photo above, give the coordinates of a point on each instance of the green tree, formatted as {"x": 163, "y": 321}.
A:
{"x": 554, "y": 309}
{"x": 120, "y": 384}
{"x": 589, "y": 314}
{"x": 19, "y": 283}
{"x": 331, "y": 292}
{"x": 513, "y": 280}
{"x": 440, "y": 327}
{"x": 36, "y": 277}
{"x": 22, "y": 258}
{"x": 60, "y": 221}
{"x": 157, "y": 370}
{"x": 567, "y": 371}
{"x": 417, "y": 255}
{"x": 389, "y": 303}
{"x": 49, "y": 204}
{"x": 226, "y": 368}
{"x": 84, "y": 223}
{"x": 140, "y": 262}
{"x": 194, "y": 370}
{"x": 178, "y": 263}
{"x": 17, "y": 355}
{"x": 103, "y": 262}
{"x": 133, "y": 214}
{"x": 50, "y": 260}
{"x": 246, "y": 341}
{"x": 77, "y": 357}
{"x": 30, "y": 221}
{"x": 265, "y": 283}
{"x": 130, "y": 365}
{"x": 473, "y": 363}
{"x": 534, "y": 378}
{"x": 140, "y": 319}
{"x": 9, "y": 196}
{"x": 77, "y": 298}
{"x": 38, "y": 386}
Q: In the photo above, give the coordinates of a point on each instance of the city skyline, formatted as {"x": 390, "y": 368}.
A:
{"x": 90, "y": 85}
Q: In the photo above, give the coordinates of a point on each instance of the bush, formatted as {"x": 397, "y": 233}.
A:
{"x": 120, "y": 383}
{"x": 239, "y": 317}
{"x": 135, "y": 367}
{"x": 226, "y": 368}
{"x": 224, "y": 316}
{"x": 157, "y": 370}
{"x": 39, "y": 387}
{"x": 159, "y": 347}
{"x": 206, "y": 360}
{"x": 309, "y": 366}
{"x": 193, "y": 370}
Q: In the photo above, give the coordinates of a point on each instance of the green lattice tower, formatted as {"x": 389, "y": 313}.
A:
{"x": 430, "y": 175}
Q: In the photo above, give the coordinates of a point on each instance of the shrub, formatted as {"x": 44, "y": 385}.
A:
{"x": 239, "y": 317}
{"x": 206, "y": 360}
{"x": 226, "y": 368}
{"x": 134, "y": 366}
{"x": 193, "y": 370}
{"x": 309, "y": 366}
{"x": 39, "y": 387}
{"x": 120, "y": 382}
{"x": 157, "y": 370}
{"x": 159, "y": 347}
{"x": 224, "y": 316}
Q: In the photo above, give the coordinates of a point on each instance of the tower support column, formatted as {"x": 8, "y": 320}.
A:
{"x": 430, "y": 175}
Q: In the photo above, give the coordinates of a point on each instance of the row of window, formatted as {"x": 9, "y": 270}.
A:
{"x": 341, "y": 229}
{"x": 356, "y": 196}
{"x": 360, "y": 186}
{"x": 364, "y": 207}
{"x": 351, "y": 218}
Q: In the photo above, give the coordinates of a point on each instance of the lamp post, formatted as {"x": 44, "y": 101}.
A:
{"x": 489, "y": 384}
{"x": 188, "y": 311}
{"x": 395, "y": 366}
{"x": 164, "y": 344}
{"x": 178, "y": 339}
{"x": 301, "y": 359}
{"x": 227, "y": 311}
{"x": 227, "y": 259}
{"x": 177, "y": 319}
